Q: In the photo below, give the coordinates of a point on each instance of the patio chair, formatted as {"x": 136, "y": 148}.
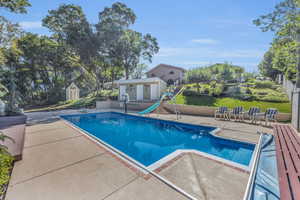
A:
{"x": 237, "y": 113}
{"x": 253, "y": 113}
{"x": 269, "y": 115}
{"x": 222, "y": 112}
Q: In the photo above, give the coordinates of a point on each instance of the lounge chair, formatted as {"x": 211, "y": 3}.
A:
{"x": 222, "y": 112}
{"x": 252, "y": 113}
{"x": 269, "y": 115}
{"x": 237, "y": 113}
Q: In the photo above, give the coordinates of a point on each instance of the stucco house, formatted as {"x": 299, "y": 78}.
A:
{"x": 168, "y": 73}
{"x": 146, "y": 89}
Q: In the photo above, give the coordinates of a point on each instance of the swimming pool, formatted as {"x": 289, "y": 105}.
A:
{"x": 148, "y": 140}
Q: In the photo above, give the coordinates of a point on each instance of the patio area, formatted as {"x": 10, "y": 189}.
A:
{"x": 61, "y": 163}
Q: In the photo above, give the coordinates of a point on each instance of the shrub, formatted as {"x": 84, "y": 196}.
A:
{"x": 6, "y": 162}
{"x": 264, "y": 84}
{"x": 215, "y": 89}
{"x": 190, "y": 93}
{"x": 248, "y": 91}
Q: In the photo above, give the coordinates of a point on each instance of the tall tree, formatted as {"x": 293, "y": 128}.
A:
{"x": 285, "y": 20}
{"x": 266, "y": 67}
{"x": 8, "y": 50}
{"x": 70, "y": 24}
{"x": 132, "y": 47}
{"x": 139, "y": 71}
{"x": 127, "y": 47}
{"x": 16, "y": 6}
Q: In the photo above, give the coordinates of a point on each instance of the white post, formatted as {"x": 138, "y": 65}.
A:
{"x": 154, "y": 92}
{"x": 140, "y": 92}
{"x": 122, "y": 91}
{"x": 296, "y": 109}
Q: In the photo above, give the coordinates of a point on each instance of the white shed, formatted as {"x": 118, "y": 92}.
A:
{"x": 147, "y": 89}
{"x": 72, "y": 92}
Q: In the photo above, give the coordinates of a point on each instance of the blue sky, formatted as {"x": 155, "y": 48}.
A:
{"x": 190, "y": 33}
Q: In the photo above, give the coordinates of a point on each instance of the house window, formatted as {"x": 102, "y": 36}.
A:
{"x": 152, "y": 75}
{"x": 171, "y": 72}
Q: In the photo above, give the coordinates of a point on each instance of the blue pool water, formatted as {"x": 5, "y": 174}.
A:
{"x": 148, "y": 140}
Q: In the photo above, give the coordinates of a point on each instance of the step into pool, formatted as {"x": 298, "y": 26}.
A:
{"x": 147, "y": 140}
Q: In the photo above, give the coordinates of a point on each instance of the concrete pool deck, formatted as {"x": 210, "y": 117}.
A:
{"x": 60, "y": 163}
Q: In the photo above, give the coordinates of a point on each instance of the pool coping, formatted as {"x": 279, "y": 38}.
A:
{"x": 138, "y": 168}
{"x": 168, "y": 158}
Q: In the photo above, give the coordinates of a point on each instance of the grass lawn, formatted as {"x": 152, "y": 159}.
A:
{"x": 230, "y": 103}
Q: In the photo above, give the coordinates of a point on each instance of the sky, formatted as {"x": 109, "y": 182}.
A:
{"x": 190, "y": 33}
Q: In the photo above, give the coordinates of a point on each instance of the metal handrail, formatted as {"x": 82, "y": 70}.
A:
{"x": 250, "y": 183}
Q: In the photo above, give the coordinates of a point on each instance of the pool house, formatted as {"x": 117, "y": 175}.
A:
{"x": 146, "y": 89}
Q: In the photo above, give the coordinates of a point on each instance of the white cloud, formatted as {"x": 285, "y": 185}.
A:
{"x": 205, "y": 41}
{"x": 30, "y": 24}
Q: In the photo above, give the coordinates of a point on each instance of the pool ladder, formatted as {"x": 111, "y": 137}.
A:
{"x": 177, "y": 112}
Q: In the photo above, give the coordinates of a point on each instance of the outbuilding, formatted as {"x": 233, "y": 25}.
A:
{"x": 72, "y": 92}
{"x": 146, "y": 89}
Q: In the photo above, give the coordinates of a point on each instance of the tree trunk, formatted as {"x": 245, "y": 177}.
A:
{"x": 12, "y": 90}
{"x": 126, "y": 73}
{"x": 198, "y": 87}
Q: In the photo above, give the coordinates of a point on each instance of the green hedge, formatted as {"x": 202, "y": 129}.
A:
{"x": 6, "y": 162}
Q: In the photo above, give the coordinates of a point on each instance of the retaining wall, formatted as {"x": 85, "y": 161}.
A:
{"x": 210, "y": 111}
{"x": 183, "y": 109}
{"x": 138, "y": 106}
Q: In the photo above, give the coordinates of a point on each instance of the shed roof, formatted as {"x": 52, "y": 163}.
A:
{"x": 72, "y": 85}
{"x": 143, "y": 80}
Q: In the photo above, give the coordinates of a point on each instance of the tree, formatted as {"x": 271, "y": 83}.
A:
{"x": 12, "y": 55}
{"x": 8, "y": 50}
{"x": 76, "y": 51}
{"x": 139, "y": 71}
{"x": 285, "y": 20}
{"x": 266, "y": 67}
{"x": 125, "y": 46}
{"x": 71, "y": 26}
{"x": 132, "y": 46}
{"x": 217, "y": 72}
{"x": 8, "y": 31}
{"x": 285, "y": 57}
{"x": 16, "y": 6}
